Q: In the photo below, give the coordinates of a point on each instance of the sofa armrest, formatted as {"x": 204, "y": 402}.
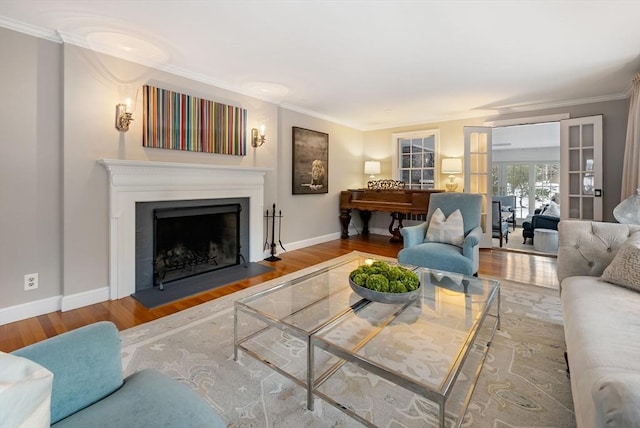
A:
{"x": 413, "y": 235}
{"x": 86, "y": 365}
{"x": 587, "y": 247}
{"x": 542, "y": 221}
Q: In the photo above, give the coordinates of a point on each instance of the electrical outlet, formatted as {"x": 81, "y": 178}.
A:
{"x": 30, "y": 281}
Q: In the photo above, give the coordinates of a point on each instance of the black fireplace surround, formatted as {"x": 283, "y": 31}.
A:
{"x": 178, "y": 240}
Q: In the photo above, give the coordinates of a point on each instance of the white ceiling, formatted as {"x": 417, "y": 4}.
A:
{"x": 367, "y": 64}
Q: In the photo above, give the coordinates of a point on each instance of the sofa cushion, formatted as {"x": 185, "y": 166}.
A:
{"x": 147, "y": 399}
{"x": 600, "y": 323}
{"x": 447, "y": 230}
{"x": 25, "y": 393}
{"x": 624, "y": 269}
{"x": 435, "y": 255}
{"x": 617, "y": 400}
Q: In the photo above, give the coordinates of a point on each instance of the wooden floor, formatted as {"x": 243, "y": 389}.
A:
{"x": 127, "y": 312}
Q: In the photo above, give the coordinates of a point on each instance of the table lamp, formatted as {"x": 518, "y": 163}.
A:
{"x": 451, "y": 166}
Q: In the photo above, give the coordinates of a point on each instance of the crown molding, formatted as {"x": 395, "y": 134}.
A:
{"x": 565, "y": 103}
{"x": 63, "y": 37}
{"x": 32, "y": 30}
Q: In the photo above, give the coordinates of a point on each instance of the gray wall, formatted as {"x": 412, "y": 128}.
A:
{"x": 30, "y": 167}
{"x": 54, "y": 196}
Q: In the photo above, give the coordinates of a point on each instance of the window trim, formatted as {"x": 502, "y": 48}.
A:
{"x": 395, "y": 148}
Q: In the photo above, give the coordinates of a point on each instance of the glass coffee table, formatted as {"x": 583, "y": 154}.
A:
{"x": 427, "y": 352}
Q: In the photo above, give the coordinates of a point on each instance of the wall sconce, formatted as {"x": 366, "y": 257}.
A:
{"x": 258, "y": 138}
{"x": 123, "y": 116}
{"x": 451, "y": 166}
{"x": 372, "y": 168}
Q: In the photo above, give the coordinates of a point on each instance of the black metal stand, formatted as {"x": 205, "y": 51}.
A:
{"x": 273, "y": 216}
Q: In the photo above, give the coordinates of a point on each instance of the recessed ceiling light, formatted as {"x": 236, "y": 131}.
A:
{"x": 117, "y": 44}
{"x": 265, "y": 88}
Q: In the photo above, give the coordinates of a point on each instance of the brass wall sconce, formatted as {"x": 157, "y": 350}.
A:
{"x": 258, "y": 138}
{"x": 123, "y": 117}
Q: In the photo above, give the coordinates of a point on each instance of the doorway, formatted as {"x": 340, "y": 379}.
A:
{"x": 525, "y": 164}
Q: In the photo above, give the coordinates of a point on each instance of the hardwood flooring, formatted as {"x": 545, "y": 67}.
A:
{"x": 127, "y": 312}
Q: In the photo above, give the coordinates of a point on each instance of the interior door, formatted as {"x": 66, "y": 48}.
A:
{"x": 581, "y": 168}
{"x": 478, "y": 173}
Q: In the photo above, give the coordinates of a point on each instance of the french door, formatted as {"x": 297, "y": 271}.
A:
{"x": 478, "y": 173}
{"x": 581, "y": 168}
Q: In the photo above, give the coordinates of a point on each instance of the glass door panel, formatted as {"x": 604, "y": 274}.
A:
{"x": 477, "y": 152}
{"x": 581, "y": 160}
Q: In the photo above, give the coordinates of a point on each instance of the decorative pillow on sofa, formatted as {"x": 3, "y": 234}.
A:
{"x": 624, "y": 269}
{"x": 448, "y": 230}
{"x": 552, "y": 210}
{"x": 25, "y": 393}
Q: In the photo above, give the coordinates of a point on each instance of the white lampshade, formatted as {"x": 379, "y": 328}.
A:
{"x": 452, "y": 166}
{"x": 372, "y": 168}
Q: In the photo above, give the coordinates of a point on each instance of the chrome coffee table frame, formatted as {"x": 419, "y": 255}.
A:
{"x": 325, "y": 356}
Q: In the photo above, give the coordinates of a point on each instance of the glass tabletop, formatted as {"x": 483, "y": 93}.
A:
{"x": 424, "y": 341}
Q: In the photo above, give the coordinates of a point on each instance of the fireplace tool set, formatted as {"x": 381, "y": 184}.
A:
{"x": 273, "y": 245}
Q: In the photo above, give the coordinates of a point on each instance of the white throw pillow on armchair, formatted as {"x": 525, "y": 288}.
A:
{"x": 25, "y": 393}
{"x": 447, "y": 230}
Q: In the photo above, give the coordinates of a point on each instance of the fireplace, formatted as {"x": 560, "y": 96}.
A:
{"x": 133, "y": 181}
{"x": 178, "y": 240}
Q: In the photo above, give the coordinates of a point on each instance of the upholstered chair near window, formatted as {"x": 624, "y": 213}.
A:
{"x": 442, "y": 242}
{"x": 499, "y": 225}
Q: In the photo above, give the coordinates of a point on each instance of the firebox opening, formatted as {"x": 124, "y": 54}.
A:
{"x": 190, "y": 243}
{"x": 195, "y": 240}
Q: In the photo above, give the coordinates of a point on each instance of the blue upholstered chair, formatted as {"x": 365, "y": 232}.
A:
{"x": 447, "y": 257}
{"x": 89, "y": 389}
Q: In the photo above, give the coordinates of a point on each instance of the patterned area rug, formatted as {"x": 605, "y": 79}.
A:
{"x": 523, "y": 382}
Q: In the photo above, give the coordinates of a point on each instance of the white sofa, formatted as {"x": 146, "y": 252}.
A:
{"x": 601, "y": 323}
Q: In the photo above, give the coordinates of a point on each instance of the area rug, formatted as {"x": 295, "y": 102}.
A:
{"x": 523, "y": 383}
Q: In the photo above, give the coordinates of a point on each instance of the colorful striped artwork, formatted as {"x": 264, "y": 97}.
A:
{"x": 182, "y": 122}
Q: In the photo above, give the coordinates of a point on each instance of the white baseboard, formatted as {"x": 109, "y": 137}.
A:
{"x": 86, "y": 298}
{"x": 313, "y": 241}
{"x": 29, "y": 310}
{"x": 74, "y": 301}
{"x": 52, "y": 304}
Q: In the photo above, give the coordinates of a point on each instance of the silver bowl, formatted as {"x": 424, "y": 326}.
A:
{"x": 379, "y": 296}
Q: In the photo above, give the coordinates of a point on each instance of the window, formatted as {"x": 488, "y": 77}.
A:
{"x": 533, "y": 183}
{"x": 416, "y": 159}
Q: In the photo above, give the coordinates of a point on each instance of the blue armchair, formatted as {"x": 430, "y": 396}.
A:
{"x": 447, "y": 257}
{"x": 89, "y": 389}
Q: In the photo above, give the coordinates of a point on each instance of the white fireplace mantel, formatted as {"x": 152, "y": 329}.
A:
{"x": 132, "y": 181}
